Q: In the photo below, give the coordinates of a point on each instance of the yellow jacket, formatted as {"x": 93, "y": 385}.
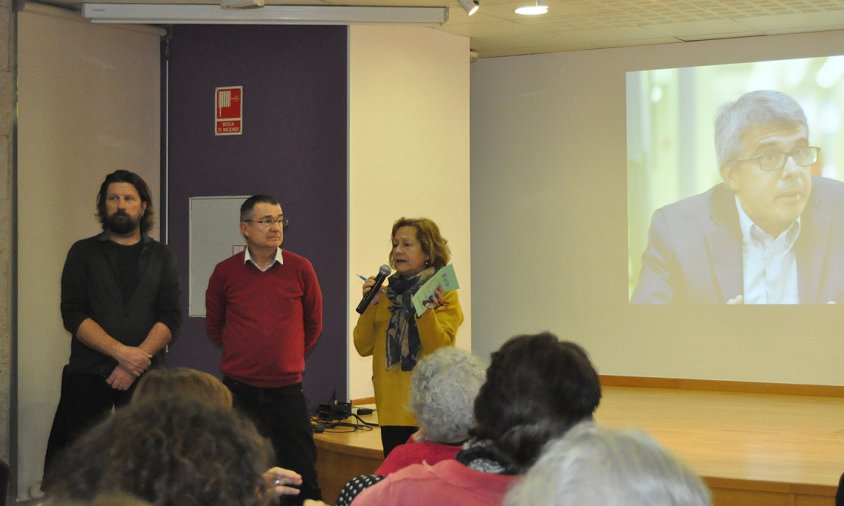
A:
{"x": 437, "y": 328}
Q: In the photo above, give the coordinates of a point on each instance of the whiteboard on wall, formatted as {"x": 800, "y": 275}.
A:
{"x": 214, "y": 236}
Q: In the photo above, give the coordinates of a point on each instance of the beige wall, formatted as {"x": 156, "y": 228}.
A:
{"x": 408, "y": 155}
{"x": 88, "y": 104}
{"x": 549, "y": 224}
{"x": 7, "y": 52}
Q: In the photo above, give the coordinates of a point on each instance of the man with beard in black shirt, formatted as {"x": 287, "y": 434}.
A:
{"x": 120, "y": 303}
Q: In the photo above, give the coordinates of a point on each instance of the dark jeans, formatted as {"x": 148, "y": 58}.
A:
{"x": 85, "y": 400}
{"x": 394, "y": 435}
{"x": 281, "y": 414}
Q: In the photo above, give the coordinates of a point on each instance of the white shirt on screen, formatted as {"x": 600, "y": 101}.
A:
{"x": 769, "y": 263}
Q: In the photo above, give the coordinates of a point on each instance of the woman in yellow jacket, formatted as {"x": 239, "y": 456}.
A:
{"x": 394, "y": 335}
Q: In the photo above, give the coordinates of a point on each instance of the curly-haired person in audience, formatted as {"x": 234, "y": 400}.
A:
{"x": 183, "y": 381}
{"x": 443, "y": 391}
{"x": 594, "y": 466}
{"x": 537, "y": 387}
{"x": 204, "y": 387}
{"x": 170, "y": 451}
{"x": 105, "y": 499}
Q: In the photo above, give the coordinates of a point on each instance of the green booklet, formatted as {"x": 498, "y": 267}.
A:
{"x": 444, "y": 277}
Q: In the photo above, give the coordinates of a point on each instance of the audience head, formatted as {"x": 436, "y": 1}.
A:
{"x": 593, "y": 466}
{"x": 168, "y": 451}
{"x": 445, "y": 384}
{"x": 106, "y": 499}
{"x": 537, "y": 387}
{"x": 182, "y": 381}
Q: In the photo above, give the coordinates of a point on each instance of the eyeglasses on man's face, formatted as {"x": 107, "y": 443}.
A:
{"x": 268, "y": 222}
{"x": 775, "y": 161}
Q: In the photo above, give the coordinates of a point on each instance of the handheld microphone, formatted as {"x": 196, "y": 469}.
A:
{"x": 383, "y": 272}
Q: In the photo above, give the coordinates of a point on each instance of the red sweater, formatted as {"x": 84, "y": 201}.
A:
{"x": 447, "y": 483}
{"x": 416, "y": 452}
{"x": 266, "y": 322}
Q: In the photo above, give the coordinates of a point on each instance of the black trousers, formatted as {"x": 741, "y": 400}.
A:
{"x": 86, "y": 399}
{"x": 394, "y": 435}
{"x": 281, "y": 415}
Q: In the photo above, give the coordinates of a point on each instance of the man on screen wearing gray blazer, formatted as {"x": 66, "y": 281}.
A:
{"x": 771, "y": 233}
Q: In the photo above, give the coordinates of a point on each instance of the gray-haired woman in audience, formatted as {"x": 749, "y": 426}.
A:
{"x": 594, "y": 466}
{"x": 442, "y": 395}
{"x": 443, "y": 392}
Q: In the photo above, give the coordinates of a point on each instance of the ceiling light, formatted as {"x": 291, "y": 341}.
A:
{"x": 534, "y": 8}
{"x": 175, "y": 14}
{"x": 470, "y": 6}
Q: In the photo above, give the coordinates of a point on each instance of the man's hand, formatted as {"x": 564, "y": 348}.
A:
{"x": 277, "y": 479}
{"x": 120, "y": 379}
{"x": 133, "y": 359}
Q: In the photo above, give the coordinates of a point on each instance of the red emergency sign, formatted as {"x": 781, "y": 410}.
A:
{"x": 228, "y": 110}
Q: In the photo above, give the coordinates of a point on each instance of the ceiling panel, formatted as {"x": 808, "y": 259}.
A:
{"x": 588, "y": 24}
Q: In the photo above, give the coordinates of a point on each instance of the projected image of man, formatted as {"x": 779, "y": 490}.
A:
{"x": 770, "y": 233}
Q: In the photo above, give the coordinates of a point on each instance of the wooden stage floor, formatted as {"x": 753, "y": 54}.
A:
{"x": 787, "y": 445}
{"x": 751, "y": 448}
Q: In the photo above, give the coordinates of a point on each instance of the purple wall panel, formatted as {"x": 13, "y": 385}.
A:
{"x": 293, "y": 147}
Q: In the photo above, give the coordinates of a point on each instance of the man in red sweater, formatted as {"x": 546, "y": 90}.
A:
{"x": 264, "y": 308}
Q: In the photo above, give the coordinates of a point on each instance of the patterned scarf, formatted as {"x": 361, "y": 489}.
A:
{"x": 482, "y": 455}
{"x": 403, "y": 342}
